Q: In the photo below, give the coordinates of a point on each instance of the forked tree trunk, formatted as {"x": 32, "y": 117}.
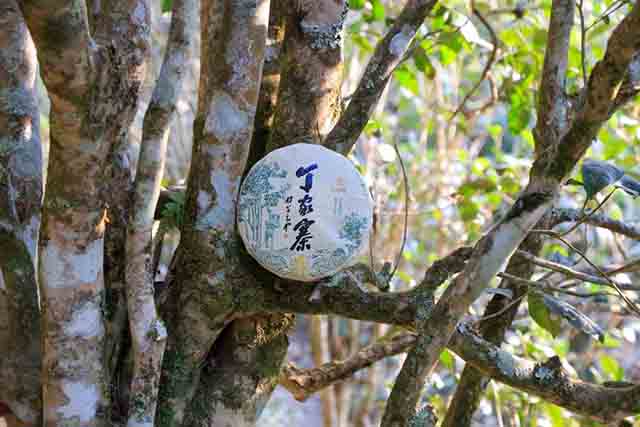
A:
{"x": 81, "y": 338}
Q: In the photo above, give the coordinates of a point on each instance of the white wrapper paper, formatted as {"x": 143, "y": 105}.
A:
{"x": 304, "y": 212}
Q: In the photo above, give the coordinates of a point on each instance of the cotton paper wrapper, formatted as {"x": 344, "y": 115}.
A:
{"x": 304, "y": 212}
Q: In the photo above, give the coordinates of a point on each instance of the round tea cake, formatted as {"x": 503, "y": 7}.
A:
{"x": 304, "y": 212}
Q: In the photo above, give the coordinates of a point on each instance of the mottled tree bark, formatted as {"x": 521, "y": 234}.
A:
{"x": 20, "y": 203}
{"x": 309, "y": 93}
{"x": 233, "y": 45}
{"x": 553, "y": 108}
{"x": 472, "y": 382}
{"x": 148, "y": 332}
{"x": 93, "y": 89}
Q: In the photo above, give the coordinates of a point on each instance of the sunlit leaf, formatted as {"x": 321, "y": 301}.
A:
{"x": 167, "y": 5}
{"x": 541, "y": 314}
{"x": 611, "y": 367}
{"x": 447, "y": 359}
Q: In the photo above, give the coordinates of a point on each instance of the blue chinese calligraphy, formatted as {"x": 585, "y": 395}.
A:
{"x": 308, "y": 176}
{"x": 305, "y": 207}
{"x": 303, "y": 237}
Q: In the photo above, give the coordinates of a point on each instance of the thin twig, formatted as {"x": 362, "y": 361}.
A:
{"x": 502, "y": 310}
{"x": 615, "y": 286}
{"x": 488, "y": 65}
{"x": 587, "y": 216}
{"x": 583, "y": 34}
{"x": 615, "y": 6}
{"x": 406, "y": 210}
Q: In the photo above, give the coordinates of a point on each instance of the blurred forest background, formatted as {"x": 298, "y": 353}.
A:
{"x": 461, "y": 170}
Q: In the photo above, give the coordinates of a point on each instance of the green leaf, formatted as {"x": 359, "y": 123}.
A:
{"x": 407, "y": 79}
{"x": 447, "y": 359}
{"x": 555, "y": 413}
{"x": 611, "y": 367}
{"x": 421, "y": 59}
{"x": 541, "y": 314}
{"x": 377, "y": 11}
{"x": 356, "y": 4}
{"x": 167, "y": 5}
{"x": 598, "y": 175}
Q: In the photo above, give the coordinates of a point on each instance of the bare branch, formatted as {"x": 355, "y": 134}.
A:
{"x": 570, "y": 272}
{"x": 302, "y": 383}
{"x": 547, "y": 380}
{"x": 388, "y": 55}
{"x": 608, "y": 74}
{"x": 561, "y": 215}
{"x": 435, "y": 329}
{"x": 147, "y": 330}
{"x": 496, "y": 319}
{"x": 346, "y": 294}
{"x": 552, "y": 103}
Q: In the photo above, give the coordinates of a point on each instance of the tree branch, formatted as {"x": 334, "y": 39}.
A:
{"x": 568, "y": 271}
{"x": 233, "y": 46}
{"x": 303, "y": 383}
{"x": 20, "y": 203}
{"x": 497, "y": 318}
{"x": 561, "y": 215}
{"x": 346, "y": 294}
{"x": 148, "y": 333}
{"x": 608, "y": 74}
{"x": 546, "y": 380}
{"x": 552, "y": 104}
{"x": 388, "y": 54}
{"x": 309, "y": 91}
{"x": 630, "y": 86}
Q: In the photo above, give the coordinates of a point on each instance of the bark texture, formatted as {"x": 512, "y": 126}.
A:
{"x": 93, "y": 86}
{"x": 20, "y": 203}
{"x": 148, "y": 332}
{"x": 233, "y": 45}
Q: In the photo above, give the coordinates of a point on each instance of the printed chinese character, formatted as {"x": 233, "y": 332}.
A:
{"x": 305, "y": 205}
{"x": 303, "y": 237}
{"x": 308, "y": 176}
{"x": 288, "y": 216}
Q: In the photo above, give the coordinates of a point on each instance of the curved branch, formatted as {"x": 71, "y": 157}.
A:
{"x": 561, "y": 215}
{"x": 389, "y": 53}
{"x": 546, "y": 380}
{"x": 303, "y": 383}
{"x": 346, "y": 294}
